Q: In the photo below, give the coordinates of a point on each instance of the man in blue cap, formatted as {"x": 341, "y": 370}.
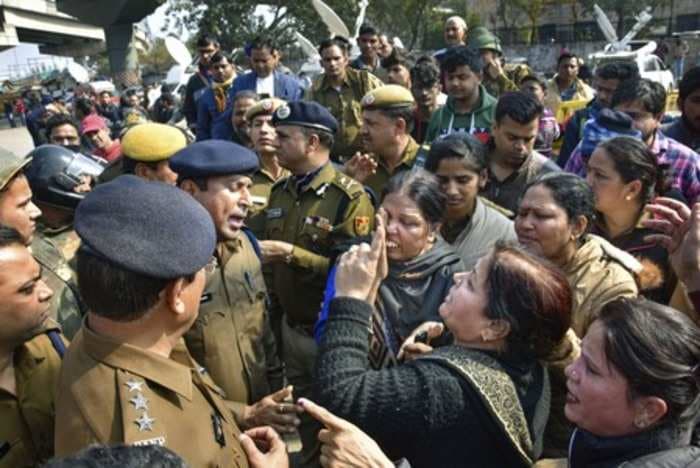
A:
{"x": 127, "y": 377}
{"x": 308, "y": 214}
{"x": 232, "y": 337}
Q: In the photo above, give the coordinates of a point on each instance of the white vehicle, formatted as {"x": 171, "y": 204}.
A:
{"x": 650, "y": 66}
{"x": 625, "y": 49}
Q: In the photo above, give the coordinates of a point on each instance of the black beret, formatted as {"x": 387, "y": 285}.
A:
{"x": 213, "y": 158}
{"x": 149, "y": 228}
{"x": 305, "y": 114}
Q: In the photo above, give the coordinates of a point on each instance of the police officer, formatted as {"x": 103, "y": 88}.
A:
{"x": 18, "y": 211}
{"x": 146, "y": 149}
{"x": 30, "y": 357}
{"x": 55, "y": 175}
{"x": 387, "y": 121}
{"x": 232, "y": 337}
{"x": 497, "y": 79}
{"x": 127, "y": 377}
{"x": 308, "y": 214}
{"x": 262, "y": 136}
{"x": 340, "y": 89}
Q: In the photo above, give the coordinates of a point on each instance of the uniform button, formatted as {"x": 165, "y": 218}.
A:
{"x": 297, "y": 203}
{"x": 314, "y": 237}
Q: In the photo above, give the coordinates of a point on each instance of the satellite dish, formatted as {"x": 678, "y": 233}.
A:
{"x": 604, "y": 24}
{"x": 78, "y": 72}
{"x": 306, "y": 46}
{"x": 331, "y": 19}
{"x": 178, "y": 51}
{"x": 361, "y": 16}
{"x": 176, "y": 75}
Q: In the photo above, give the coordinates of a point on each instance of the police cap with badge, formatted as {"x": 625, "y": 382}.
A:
{"x": 264, "y": 107}
{"x": 306, "y": 114}
{"x": 148, "y": 228}
{"x": 388, "y": 97}
{"x": 211, "y": 158}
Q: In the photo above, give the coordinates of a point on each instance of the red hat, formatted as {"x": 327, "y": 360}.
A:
{"x": 92, "y": 123}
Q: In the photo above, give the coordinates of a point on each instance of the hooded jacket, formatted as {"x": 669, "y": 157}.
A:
{"x": 446, "y": 120}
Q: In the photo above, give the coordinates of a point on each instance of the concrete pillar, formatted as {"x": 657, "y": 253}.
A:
{"x": 123, "y": 58}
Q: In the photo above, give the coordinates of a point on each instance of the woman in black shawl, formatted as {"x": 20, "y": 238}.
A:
{"x": 421, "y": 265}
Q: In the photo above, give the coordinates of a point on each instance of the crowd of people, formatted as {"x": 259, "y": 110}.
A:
{"x": 406, "y": 262}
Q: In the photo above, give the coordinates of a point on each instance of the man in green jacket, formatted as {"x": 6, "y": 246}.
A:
{"x": 469, "y": 107}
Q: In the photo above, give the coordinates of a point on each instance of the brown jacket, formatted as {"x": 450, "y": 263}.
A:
{"x": 27, "y": 418}
{"x": 231, "y": 337}
{"x": 111, "y": 392}
{"x": 598, "y": 273}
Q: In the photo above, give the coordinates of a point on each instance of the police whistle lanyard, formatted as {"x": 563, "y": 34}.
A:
{"x": 452, "y": 121}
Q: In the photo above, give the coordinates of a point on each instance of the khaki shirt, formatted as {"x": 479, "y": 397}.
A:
{"x": 231, "y": 337}
{"x": 379, "y": 179}
{"x": 27, "y": 419}
{"x": 345, "y": 106}
{"x": 111, "y": 392}
{"x": 260, "y": 194}
{"x": 65, "y": 239}
{"x": 331, "y": 209}
{"x": 507, "y": 80}
{"x": 598, "y": 273}
{"x": 66, "y": 305}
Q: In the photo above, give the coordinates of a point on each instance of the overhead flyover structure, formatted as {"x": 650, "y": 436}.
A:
{"x": 40, "y": 22}
{"x": 117, "y": 17}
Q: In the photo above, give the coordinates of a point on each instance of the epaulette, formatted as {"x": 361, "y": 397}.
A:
{"x": 620, "y": 256}
{"x": 279, "y": 183}
{"x": 421, "y": 156}
{"x": 348, "y": 185}
{"x": 504, "y": 211}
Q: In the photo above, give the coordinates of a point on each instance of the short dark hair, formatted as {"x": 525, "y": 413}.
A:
{"x": 326, "y": 139}
{"x": 462, "y": 56}
{"x": 633, "y": 160}
{"x": 536, "y": 79}
{"x": 425, "y": 73}
{"x": 367, "y": 29}
{"x": 113, "y": 292}
{"x": 120, "y": 456}
{"x": 338, "y": 41}
{"x": 58, "y": 120}
{"x": 621, "y": 71}
{"x": 263, "y": 42}
{"x": 457, "y": 146}
{"x": 657, "y": 350}
{"x": 397, "y": 57}
{"x": 520, "y": 107}
{"x": 566, "y": 56}
{"x": 245, "y": 94}
{"x": 532, "y": 295}
{"x": 570, "y": 192}
{"x": 205, "y": 40}
{"x": 9, "y": 237}
{"x": 220, "y": 56}
{"x": 652, "y": 95}
{"x": 423, "y": 189}
{"x": 689, "y": 83}
{"x": 84, "y": 105}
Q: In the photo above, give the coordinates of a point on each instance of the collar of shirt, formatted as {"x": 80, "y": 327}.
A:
{"x": 301, "y": 182}
{"x": 325, "y": 84}
{"x": 521, "y": 171}
{"x": 169, "y": 373}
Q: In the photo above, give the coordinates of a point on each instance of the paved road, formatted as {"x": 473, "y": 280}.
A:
{"x": 16, "y": 140}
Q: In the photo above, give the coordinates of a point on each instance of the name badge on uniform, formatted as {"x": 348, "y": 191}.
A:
{"x": 154, "y": 441}
{"x": 205, "y": 298}
{"x": 218, "y": 429}
{"x": 257, "y": 200}
{"x": 273, "y": 213}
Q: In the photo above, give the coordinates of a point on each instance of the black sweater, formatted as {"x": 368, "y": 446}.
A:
{"x": 422, "y": 410}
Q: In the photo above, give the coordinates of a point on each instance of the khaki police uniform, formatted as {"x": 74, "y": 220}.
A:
{"x": 413, "y": 156}
{"x": 27, "y": 418}
{"x": 65, "y": 239}
{"x": 330, "y": 209}
{"x": 66, "y": 306}
{"x": 260, "y": 196}
{"x": 345, "y": 106}
{"x": 111, "y": 392}
{"x": 231, "y": 336}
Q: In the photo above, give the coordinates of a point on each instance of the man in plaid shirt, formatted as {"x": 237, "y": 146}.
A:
{"x": 644, "y": 101}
